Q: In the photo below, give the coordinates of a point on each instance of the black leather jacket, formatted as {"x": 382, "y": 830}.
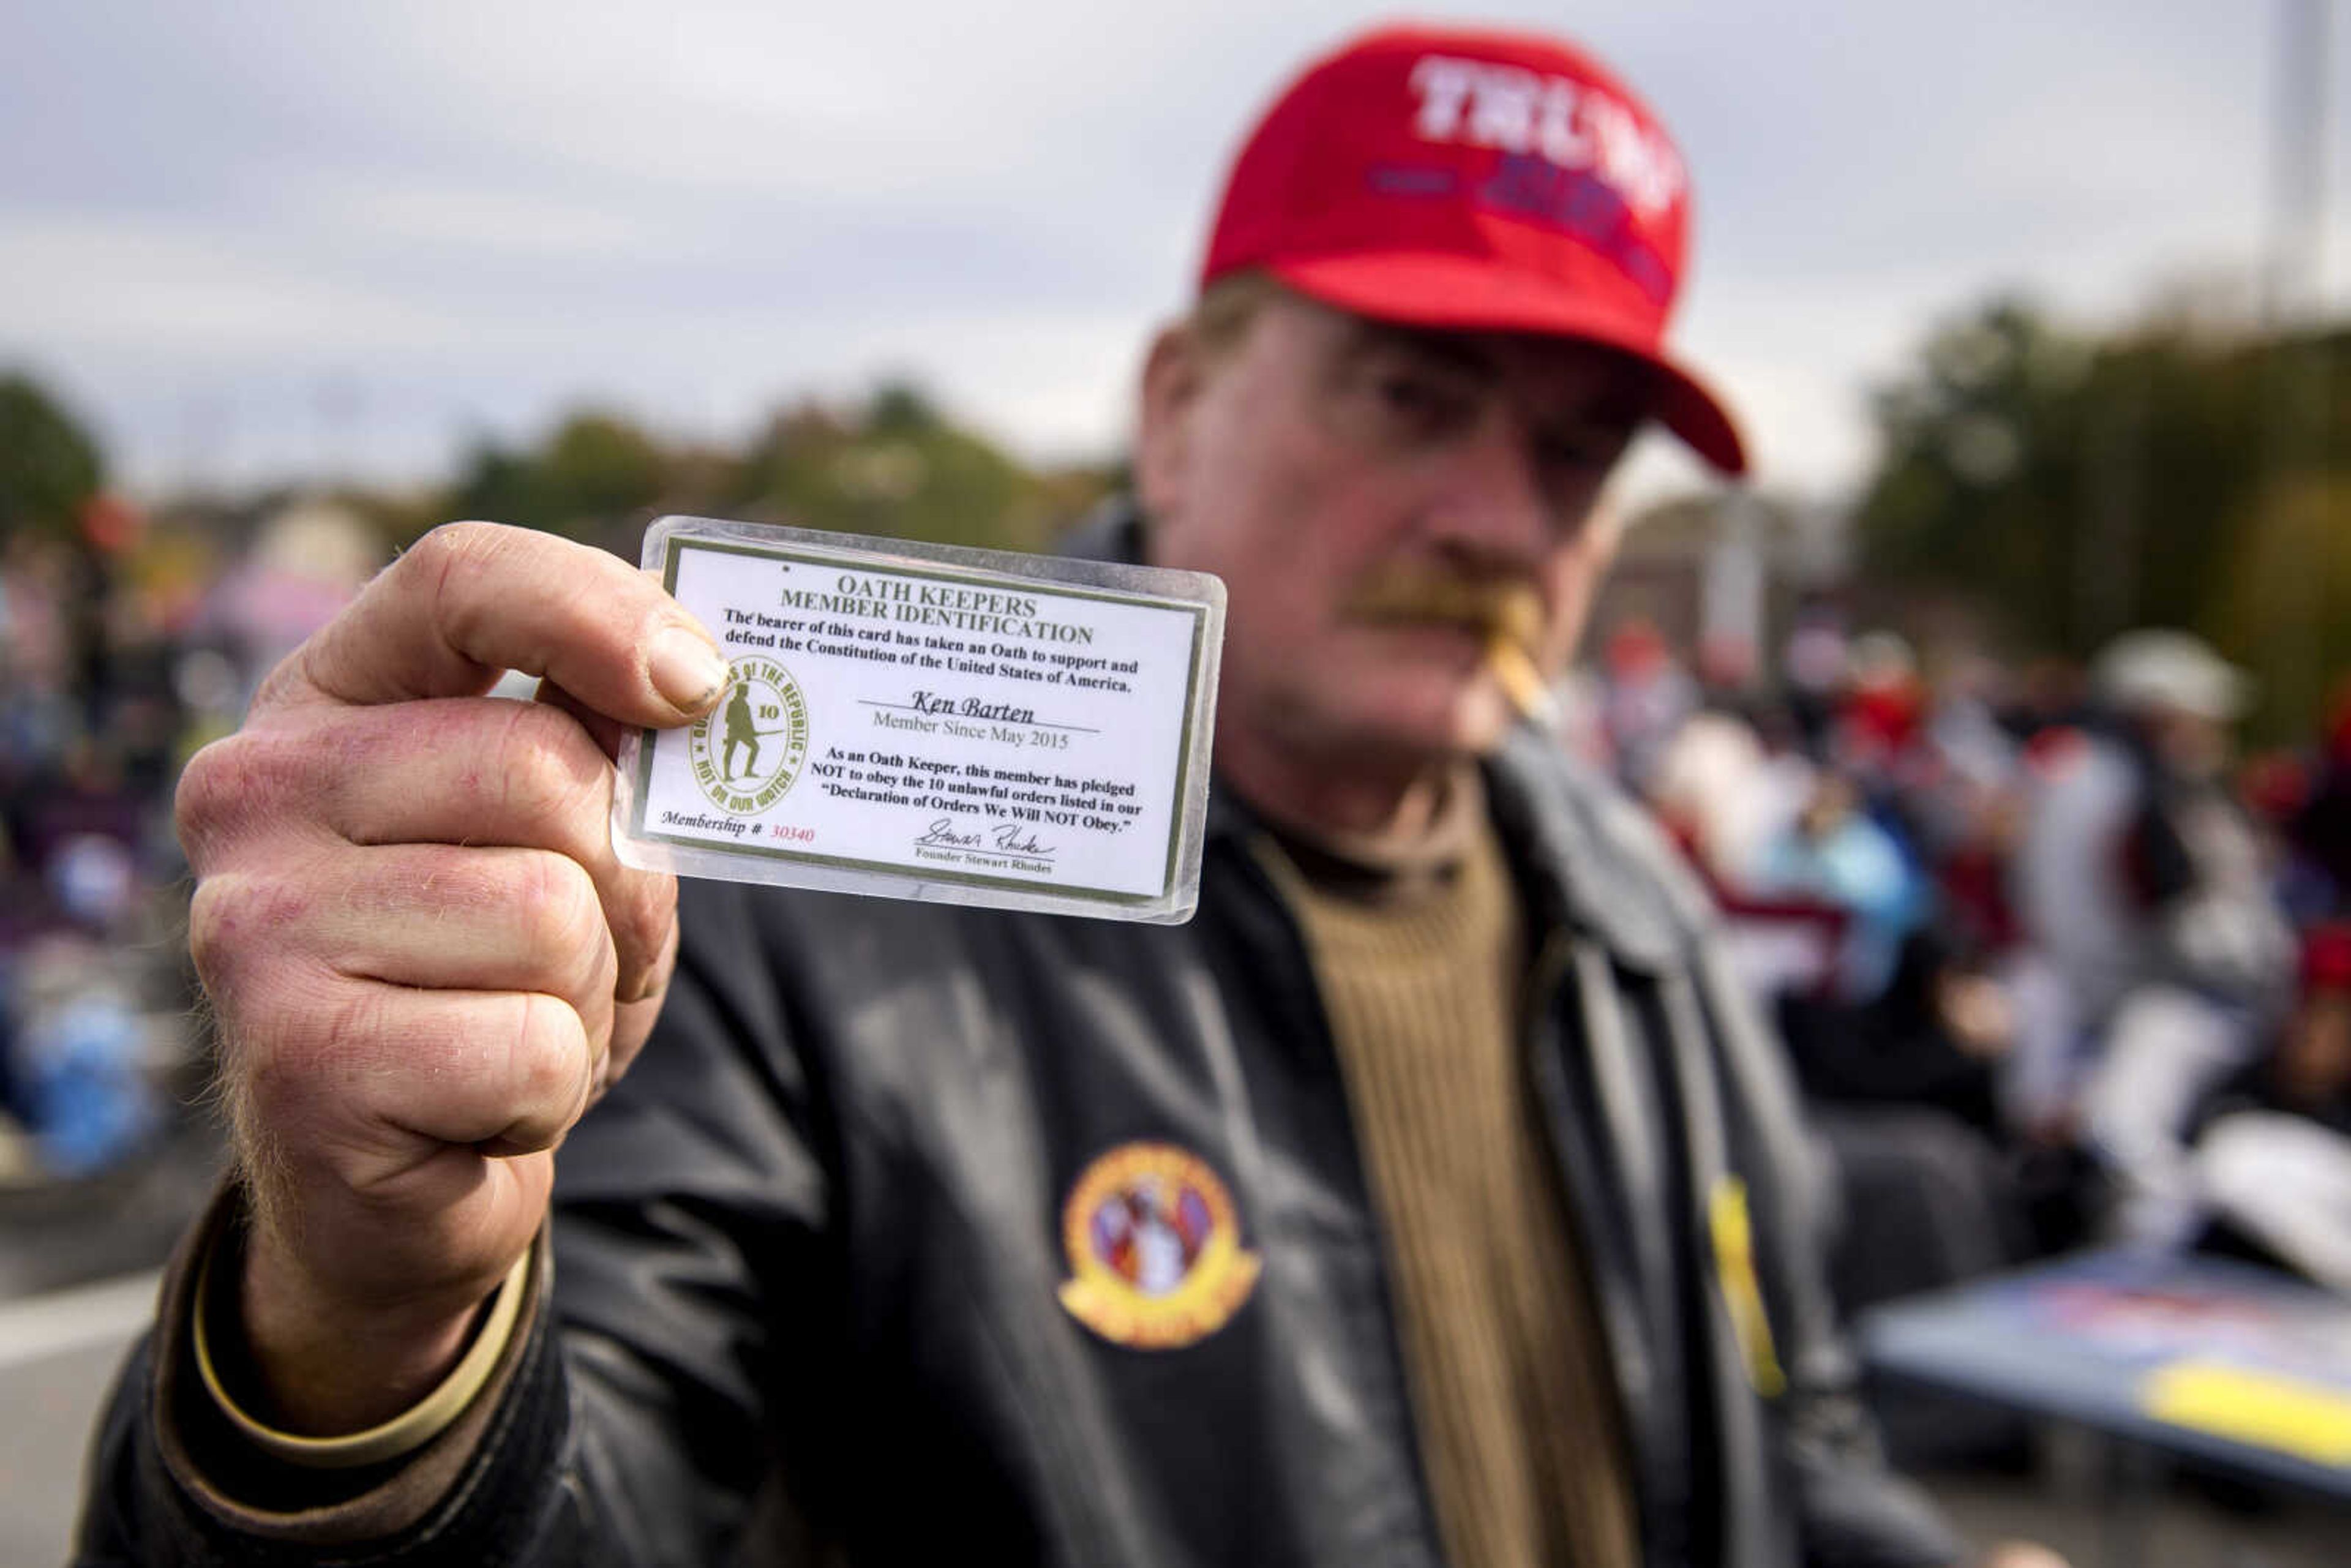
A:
{"x": 806, "y": 1257}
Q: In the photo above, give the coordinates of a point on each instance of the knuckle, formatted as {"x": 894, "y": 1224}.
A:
{"x": 216, "y": 929}
{"x": 251, "y": 784}
{"x": 549, "y": 1052}
{"x": 211, "y": 932}
{"x": 238, "y": 921}
{"x": 453, "y": 548}
{"x": 216, "y": 793}
{"x": 549, "y": 772}
{"x": 199, "y": 801}
{"x": 646, "y": 907}
{"x": 448, "y": 564}
{"x": 561, "y": 912}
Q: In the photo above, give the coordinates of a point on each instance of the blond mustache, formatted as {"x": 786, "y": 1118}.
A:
{"x": 1508, "y": 610}
{"x": 1509, "y": 607}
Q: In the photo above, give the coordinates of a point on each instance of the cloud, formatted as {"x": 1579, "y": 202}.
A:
{"x": 176, "y": 289}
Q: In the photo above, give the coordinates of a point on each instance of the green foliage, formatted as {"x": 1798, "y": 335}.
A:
{"x": 2286, "y": 600}
{"x": 898, "y": 467}
{"x": 895, "y": 465}
{"x": 901, "y": 410}
{"x": 49, "y": 465}
{"x": 2074, "y": 486}
{"x": 593, "y": 469}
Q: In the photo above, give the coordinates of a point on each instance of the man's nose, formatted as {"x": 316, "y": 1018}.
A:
{"x": 1491, "y": 503}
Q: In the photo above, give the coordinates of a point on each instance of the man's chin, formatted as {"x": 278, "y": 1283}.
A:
{"x": 1483, "y": 720}
{"x": 1460, "y": 721}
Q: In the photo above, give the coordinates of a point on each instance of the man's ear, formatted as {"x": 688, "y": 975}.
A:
{"x": 1173, "y": 375}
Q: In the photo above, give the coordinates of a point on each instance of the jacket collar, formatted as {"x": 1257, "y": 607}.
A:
{"x": 1590, "y": 856}
{"x": 1579, "y": 848}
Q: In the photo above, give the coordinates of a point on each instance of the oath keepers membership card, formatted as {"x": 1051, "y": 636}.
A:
{"x": 919, "y": 721}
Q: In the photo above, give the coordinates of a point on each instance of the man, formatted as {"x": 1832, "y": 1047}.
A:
{"x": 2158, "y": 957}
{"x": 1430, "y": 1197}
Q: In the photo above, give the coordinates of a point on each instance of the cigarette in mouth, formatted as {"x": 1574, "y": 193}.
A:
{"x": 1520, "y": 681}
{"x": 1518, "y": 620}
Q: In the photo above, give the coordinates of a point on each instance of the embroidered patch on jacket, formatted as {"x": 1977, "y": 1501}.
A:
{"x": 1155, "y": 1259}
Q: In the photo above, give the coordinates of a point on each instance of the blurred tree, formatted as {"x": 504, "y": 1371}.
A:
{"x": 602, "y": 466}
{"x": 2077, "y": 486}
{"x": 592, "y": 471}
{"x": 896, "y": 466}
{"x": 901, "y": 409}
{"x": 899, "y": 467}
{"x": 2295, "y": 553}
{"x": 50, "y": 467}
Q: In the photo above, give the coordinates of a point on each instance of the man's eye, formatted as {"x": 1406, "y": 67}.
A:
{"x": 1419, "y": 400}
{"x": 1580, "y": 451}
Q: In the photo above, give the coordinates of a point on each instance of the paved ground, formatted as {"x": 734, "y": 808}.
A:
{"x": 77, "y": 1276}
{"x": 58, "y": 1358}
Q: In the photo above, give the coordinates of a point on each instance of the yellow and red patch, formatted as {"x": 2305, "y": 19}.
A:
{"x": 1154, "y": 1242}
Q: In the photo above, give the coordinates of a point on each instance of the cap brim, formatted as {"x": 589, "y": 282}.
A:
{"x": 1464, "y": 293}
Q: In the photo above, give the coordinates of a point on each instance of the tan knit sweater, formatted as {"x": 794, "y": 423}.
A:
{"x": 1421, "y": 955}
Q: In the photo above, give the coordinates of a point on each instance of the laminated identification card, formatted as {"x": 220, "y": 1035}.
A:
{"x": 921, "y": 721}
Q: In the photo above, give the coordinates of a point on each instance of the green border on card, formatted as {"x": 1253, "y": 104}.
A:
{"x": 673, "y": 547}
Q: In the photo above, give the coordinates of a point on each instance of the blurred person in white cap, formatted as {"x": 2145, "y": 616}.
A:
{"x": 2155, "y": 953}
{"x": 1432, "y": 1196}
{"x": 2180, "y": 697}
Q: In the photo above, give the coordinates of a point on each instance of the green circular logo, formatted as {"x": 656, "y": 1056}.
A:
{"x": 748, "y": 749}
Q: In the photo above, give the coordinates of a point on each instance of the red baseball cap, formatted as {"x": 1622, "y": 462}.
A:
{"x": 1480, "y": 181}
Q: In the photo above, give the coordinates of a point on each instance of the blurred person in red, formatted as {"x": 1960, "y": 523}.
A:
{"x": 1647, "y": 695}
{"x": 2320, "y": 829}
{"x": 1882, "y": 717}
{"x": 1432, "y": 1197}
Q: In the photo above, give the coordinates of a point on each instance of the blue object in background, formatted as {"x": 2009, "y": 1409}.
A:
{"x": 1860, "y": 868}
{"x": 81, "y": 1078}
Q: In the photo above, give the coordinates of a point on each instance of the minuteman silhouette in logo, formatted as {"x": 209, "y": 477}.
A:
{"x": 766, "y": 719}
{"x": 739, "y": 732}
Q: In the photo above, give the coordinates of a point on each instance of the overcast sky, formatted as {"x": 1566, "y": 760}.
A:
{"x": 259, "y": 241}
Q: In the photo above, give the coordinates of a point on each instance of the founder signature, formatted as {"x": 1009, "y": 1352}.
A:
{"x": 1007, "y": 838}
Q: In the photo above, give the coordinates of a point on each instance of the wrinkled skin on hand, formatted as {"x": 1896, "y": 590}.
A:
{"x": 424, "y": 960}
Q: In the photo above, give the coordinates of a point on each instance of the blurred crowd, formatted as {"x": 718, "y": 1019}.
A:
{"x": 124, "y": 646}
{"x": 2055, "y": 963}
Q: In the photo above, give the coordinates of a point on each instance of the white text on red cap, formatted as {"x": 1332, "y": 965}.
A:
{"x": 1570, "y": 123}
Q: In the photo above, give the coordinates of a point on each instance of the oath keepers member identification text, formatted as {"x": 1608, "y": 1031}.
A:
{"x": 927, "y": 722}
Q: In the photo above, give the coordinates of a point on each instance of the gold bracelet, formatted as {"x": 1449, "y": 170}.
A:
{"x": 405, "y": 1432}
